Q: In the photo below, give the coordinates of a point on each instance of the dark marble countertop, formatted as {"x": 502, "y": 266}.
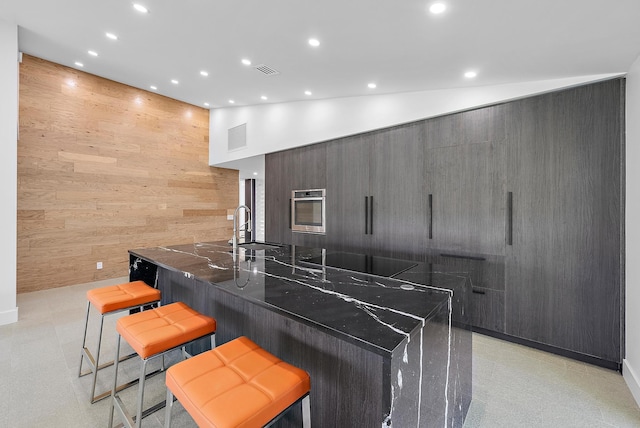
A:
{"x": 378, "y": 312}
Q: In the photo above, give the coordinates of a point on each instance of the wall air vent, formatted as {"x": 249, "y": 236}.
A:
{"x": 237, "y": 137}
{"x": 265, "y": 69}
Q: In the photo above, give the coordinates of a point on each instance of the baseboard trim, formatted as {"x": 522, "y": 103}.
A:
{"x": 612, "y": 365}
{"x": 632, "y": 380}
{"x": 9, "y": 317}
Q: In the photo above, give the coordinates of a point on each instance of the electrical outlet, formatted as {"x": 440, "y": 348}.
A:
{"x": 99, "y": 265}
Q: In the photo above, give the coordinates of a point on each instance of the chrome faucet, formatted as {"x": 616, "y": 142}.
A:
{"x": 247, "y": 226}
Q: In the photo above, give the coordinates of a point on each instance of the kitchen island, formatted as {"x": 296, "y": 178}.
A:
{"x": 388, "y": 348}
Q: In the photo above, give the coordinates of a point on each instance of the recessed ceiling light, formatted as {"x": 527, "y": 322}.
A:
{"x": 155, "y": 88}
{"x": 140, "y": 8}
{"x": 204, "y": 73}
{"x": 437, "y": 8}
{"x": 231, "y": 102}
{"x": 470, "y": 74}
{"x": 92, "y": 53}
{"x": 206, "y": 104}
{"x": 264, "y": 97}
{"x": 308, "y": 93}
{"x": 255, "y": 173}
{"x": 174, "y": 81}
{"x": 111, "y": 36}
{"x": 246, "y": 62}
{"x": 79, "y": 64}
{"x": 372, "y": 85}
{"x": 314, "y": 42}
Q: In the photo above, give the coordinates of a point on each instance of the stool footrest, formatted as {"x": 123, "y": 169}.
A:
{"x": 124, "y": 386}
{"x": 92, "y": 367}
{"x": 131, "y": 420}
{"x": 92, "y": 362}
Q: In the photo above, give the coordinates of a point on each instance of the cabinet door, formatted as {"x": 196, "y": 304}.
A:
{"x": 347, "y": 187}
{"x": 307, "y": 167}
{"x": 563, "y": 269}
{"x": 467, "y": 184}
{"x": 397, "y": 188}
{"x": 277, "y": 197}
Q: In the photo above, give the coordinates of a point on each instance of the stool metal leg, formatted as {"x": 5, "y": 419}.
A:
{"x": 168, "y": 407}
{"x": 306, "y": 412}
{"x": 143, "y": 375}
{"x": 115, "y": 382}
{"x": 96, "y": 365}
{"x": 84, "y": 339}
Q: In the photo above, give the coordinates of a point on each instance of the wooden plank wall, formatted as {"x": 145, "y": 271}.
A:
{"x": 103, "y": 168}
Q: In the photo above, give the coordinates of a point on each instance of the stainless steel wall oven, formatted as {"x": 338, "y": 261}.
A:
{"x": 308, "y": 211}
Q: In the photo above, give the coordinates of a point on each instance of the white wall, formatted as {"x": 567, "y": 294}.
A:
{"x": 274, "y": 127}
{"x": 8, "y": 169}
{"x": 631, "y": 366}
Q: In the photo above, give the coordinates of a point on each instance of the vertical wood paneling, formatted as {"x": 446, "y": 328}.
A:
{"x": 563, "y": 269}
{"x": 103, "y": 168}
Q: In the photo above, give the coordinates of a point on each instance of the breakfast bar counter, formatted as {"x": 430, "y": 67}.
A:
{"x": 386, "y": 342}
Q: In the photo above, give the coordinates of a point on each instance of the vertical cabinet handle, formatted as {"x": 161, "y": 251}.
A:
{"x": 371, "y": 215}
{"x": 509, "y": 218}
{"x": 366, "y": 215}
{"x": 430, "y": 216}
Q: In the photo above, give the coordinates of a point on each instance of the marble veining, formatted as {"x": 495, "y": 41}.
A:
{"x": 383, "y": 300}
{"x": 383, "y": 314}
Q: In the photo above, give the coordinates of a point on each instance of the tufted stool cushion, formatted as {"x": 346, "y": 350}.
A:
{"x": 237, "y": 384}
{"x": 158, "y": 330}
{"x": 122, "y": 296}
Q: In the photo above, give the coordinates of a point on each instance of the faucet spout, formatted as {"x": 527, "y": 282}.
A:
{"x": 236, "y": 228}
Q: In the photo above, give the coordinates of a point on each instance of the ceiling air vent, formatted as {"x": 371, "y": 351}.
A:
{"x": 265, "y": 69}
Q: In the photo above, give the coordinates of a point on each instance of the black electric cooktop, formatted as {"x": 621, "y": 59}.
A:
{"x": 373, "y": 265}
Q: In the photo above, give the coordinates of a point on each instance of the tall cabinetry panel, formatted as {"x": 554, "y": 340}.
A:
{"x": 375, "y": 192}
{"x": 277, "y": 226}
{"x": 465, "y": 180}
{"x": 399, "y": 220}
{"x": 295, "y": 169}
{"x": 563, "y": 269}
{"x": 347, "y": 187}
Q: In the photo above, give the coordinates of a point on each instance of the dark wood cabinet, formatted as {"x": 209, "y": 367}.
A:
{"x": 295, "y": 169}
{"x": 397, "y": 186}
{"x": 468, "y": 205}
{"x": 277, "y": 197}
{"x": 563, "y": 269}
{"x": 532, "y": 187}
{"x": 375, "y": 192}
{"x": 347, "y": 188}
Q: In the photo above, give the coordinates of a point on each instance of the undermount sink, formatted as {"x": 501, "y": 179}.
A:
{"x": 258, "y": 246}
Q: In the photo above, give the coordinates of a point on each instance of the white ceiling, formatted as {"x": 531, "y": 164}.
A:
{"x": 397, "y": 44}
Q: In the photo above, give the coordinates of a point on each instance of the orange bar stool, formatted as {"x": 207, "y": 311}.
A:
{"x": 151, "y": 334}
{"x": 110, "y": 300}
{"x": 237, "y": 384}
